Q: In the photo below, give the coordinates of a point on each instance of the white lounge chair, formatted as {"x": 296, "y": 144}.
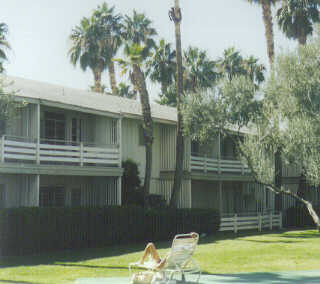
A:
{"x": 178, "y": 260}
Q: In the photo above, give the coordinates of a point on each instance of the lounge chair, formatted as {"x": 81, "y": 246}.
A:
{"x": 179, "y": 259}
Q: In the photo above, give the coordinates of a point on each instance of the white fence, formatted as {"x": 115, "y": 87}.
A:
{"x": 260, "y": 221}
{"x": 17, "y": 149}
{"x": 205, "y": 164}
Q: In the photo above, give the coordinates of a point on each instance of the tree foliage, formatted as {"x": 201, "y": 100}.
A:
{"x": 4, "y": 45}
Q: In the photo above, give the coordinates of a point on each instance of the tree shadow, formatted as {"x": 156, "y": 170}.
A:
{"x": 302, "y": 236}
{"x": 17, "y": 282}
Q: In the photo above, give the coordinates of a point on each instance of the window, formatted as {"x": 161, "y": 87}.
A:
{"x": 77, "y": 124}
{"x": 75, "y": 197}
{"x": 2, "y": 196}
{"x": 142, "y": 141}
{"x": 54, "y": 125}
{"x": 2, "y": 127}
{"x": 52, "y": 197}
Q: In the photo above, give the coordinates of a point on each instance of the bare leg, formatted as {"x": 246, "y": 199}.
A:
{"x": 150, "y": 250}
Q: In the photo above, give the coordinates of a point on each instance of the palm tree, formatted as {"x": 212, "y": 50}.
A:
{"x": 138, "y": 35}
{"x": 162, "y": 65}
{"x": 176, "y": 16}
{"x": 231, "y": 64}
{"x": 267, "y": 20}
{"x": 4, "y": 45}
{"x": 86, "y": 51}
{"x": 296, "y": 18}
{"x": 124, "y": 91}
{"x": 254, "y": 70}
{"x": 109, "y": 26}
{"x": 199, "y": 71}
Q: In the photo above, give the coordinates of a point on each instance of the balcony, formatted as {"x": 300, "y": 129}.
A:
{"x": 15, "y": 149}
{"x": 221, "y": 166}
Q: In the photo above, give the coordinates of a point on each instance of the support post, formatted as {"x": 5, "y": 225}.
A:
{"x": 119, "y": 191}
{"x": 205, "y": 164}
{"x": 81, "y": 154}
{"x": 119, "y": 138}
{"x": 280, "y": 220}
{"x": 37, "y": 193}
{"x": 220, "y": 197}
{"x": 259, "y": 222}
{"x": 235, "y": 222}
{"x": 38, "y": 135}
{"x": 2, "y": 148}
{"x": 270, "y": 220}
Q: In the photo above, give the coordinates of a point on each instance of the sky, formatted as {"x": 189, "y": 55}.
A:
{"x": 39, "y": 30}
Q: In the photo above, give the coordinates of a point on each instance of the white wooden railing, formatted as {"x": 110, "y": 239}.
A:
{"x": 205, "y": 164}
{"x": 22, "y": 149}
{"x": 258, "y": 221}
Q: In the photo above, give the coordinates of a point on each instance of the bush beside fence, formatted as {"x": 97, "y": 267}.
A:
{"x": 35, "y": 230}
{"x": 299, "y": 217}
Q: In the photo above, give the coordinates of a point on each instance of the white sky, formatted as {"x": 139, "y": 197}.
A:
{"x": 39, "y": 31}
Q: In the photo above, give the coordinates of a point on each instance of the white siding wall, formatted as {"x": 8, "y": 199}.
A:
{"x": 20, "y": 190}
{"x": 164, "y": 188}
{"x": 168, "y": 137}
{"x": 132, "y": 150}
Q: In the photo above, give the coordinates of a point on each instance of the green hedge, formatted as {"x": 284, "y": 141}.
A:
{"x": 299, "y": 217}
{"x": 35, "y": 230}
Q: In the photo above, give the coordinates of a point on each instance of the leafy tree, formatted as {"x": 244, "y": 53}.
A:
{"x": 4, "y": 45}
{"x": 109, "y": 29}
{"x": 267, "y": 20}
{"x": 287, "y": 118}
{"x": 162, "y": 65}
{"x": 296, "y": 18}
{"x": 254, "y": 70}
{"x": 138, "y": 35}
{"x": 86, "y": 51}
{"x": 175, "y": 15}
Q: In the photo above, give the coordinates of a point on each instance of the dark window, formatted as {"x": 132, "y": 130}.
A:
{"x": 2, "y": 196}
{"x": 55, "y": 126}
{"x": 52, "y": 197}
{"x": 75, "y": 197}
{"x": 142, "y": 141}
{"x": 195, "y": 147}
{"x": 2, "y": 127}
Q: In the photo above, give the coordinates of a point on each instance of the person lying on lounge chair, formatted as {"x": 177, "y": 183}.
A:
{"x": 151, "y": 252}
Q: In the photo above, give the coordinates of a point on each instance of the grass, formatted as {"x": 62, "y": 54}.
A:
{"x": 223, "y": 253}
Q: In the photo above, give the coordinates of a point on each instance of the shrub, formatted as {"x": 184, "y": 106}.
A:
{"x": 35, "y": 230}
{"x": 299, "y": 216}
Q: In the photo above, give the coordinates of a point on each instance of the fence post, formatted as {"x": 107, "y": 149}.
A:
{"x": 259, "y": 222}
{"x": 81, "y": 154}
{"x": 219, "y": 165}
{"x": 235, "y": 223}
{"x": 280, "y": 220}
{"x": 270, "y": 221}
{"x": 2, "y": 148}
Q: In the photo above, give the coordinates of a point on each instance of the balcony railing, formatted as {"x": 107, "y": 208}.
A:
{"x": 205, "y": 164}
{"x": 28, "y": 150}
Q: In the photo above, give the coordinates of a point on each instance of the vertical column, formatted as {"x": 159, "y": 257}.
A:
{"x": 219, "y": 152}
{"x": 119, "y": 138}
{"x": 38, "y": 135}
{"x": 220, "y": 197}
{"x": 37, "y": 191}
{"x": 2, "y": 148}
{"x": 119, "y": 191}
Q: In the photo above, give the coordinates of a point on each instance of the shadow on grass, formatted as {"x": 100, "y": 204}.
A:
{"x": 18, "y": 282}
{"x": 315, "y": 235}
{"x": 92, "y": 266}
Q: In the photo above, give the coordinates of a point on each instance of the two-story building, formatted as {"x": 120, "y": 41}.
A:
{"x": 66, "y": 146}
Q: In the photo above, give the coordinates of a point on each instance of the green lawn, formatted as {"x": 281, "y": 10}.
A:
{"x": 224, "y": 253}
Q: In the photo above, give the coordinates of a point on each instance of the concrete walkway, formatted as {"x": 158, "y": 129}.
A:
{"x": 294, "y": 277}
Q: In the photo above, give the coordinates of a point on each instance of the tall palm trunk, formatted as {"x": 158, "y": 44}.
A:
{"x": 302, "y": 38}
{"x": 140, "y": 83}
{"x": 175, "y": 15}
{"x": 97, "y": 80}
{"x": 112, "y": 77}
{"x": 267, "y": 19}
